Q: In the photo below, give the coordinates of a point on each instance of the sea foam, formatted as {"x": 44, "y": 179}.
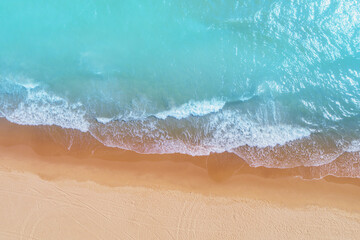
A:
{"x": 35, "y": 106}
{"x": 193, "y": 108}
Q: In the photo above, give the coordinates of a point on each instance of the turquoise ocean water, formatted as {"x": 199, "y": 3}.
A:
{"x": 275, "y": 82}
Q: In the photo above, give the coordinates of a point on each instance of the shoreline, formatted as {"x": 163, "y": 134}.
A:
{"x": 287, "y": 191}
{"x": 265, "y": 202}
{"x": 81, "y": 204}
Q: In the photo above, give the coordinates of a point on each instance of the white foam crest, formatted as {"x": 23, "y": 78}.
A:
{"x": 22, "y": 81}
{"x": 193, "y": 108}
{"x": 354, "y": 146}
{"x": 41, "y": 108}
{"x": 30, "y": 85}
{"x": 230, "y": 130}
{"x": 225, "y": 131}
{"x": 104, "y": 120}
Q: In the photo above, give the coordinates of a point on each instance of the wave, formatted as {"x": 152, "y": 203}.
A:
{"x": 354, "y": 146}
{"x": 261, "y": 137}
{"x": 217, "y": 132}
{"x": 234, "y": 129}
{"x": 104, "y": 120}
{"x": 193, "y": 108}
{"x": 28, "y": 104}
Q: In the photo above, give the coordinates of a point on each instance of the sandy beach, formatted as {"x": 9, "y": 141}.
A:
{"x": 180, "y": 120}
{"x": 33, "y": 208}
{"x": 67, "y": 197}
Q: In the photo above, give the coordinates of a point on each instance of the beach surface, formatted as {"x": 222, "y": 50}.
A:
{"x": 63, "y": 197}
{"x": 144, "y": 119}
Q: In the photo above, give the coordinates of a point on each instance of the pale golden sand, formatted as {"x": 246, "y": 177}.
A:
{"x": 172, "y": 201}
{"x": 32, "y": 208}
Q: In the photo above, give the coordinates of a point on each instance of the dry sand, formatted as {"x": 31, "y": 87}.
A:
{"x": 32, "y": 208}
{"x": 79, "y": 201}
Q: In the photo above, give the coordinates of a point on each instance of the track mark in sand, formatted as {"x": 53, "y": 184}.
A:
{"x": 187, "y": 219}
{"x": 16, "y": 234}
{"x": 83, "y": 226}
{"x": 26, "y": 224}
{"x": 193, "y": 216}
{"x": 28, "y": 228}
{"x": 35, "y": 225}
{"x": 82, "y": 204}
{"x": 179, "y": 222}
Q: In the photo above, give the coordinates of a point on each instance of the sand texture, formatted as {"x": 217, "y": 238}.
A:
{"x": 48, "y": 193}
{"x": 32, "y": 208}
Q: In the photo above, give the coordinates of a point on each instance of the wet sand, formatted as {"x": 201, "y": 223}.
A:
{"x": 100, "y": 193}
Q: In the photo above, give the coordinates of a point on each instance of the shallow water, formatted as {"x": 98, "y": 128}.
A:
{"x": 275, "y": 82}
